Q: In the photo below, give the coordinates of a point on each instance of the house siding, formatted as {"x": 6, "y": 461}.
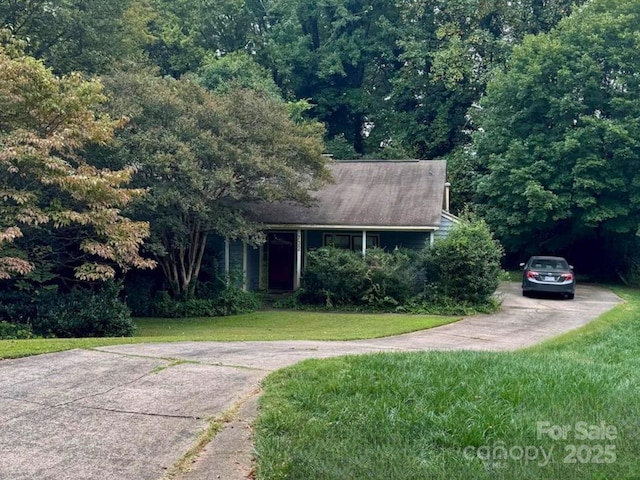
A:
{"x": 446, "y": 224}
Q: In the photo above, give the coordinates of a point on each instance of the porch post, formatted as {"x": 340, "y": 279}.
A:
{"x": 431, "y": 238}
{"x": 364, "y": 243}
{"x": 298, "y": 270}
{"x": 244, "y": 266}
{"x": 226, "y": 259}
{"x": 261, "y": 267}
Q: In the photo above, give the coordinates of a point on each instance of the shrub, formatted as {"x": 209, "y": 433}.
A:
{"x": 390, "y": 278}
{"x": 464, "y": 266}
{"x": 334, "y": 276}
{"x": 230, "y": 301}
{"x": 233, "y": 301}
{"x": 337, "y": 277}
{"x": 15, "y": 331}
{"x": 17, "y": 306}
{"x": 83, "y": 312}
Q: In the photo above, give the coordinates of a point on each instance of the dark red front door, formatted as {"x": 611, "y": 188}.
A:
{"x": 281, "y": 260}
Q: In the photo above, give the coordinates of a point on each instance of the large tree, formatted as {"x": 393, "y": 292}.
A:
{"x": 45, "y": 121}
{"x": 339, "y": 54}
{"x": 202, "y": 157}
{"x": 560, "y": 136}
{"x": 76, "y": 35}
{"x": 449, "y": 50}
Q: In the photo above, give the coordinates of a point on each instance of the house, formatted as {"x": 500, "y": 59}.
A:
{"x": 385, "y": 204}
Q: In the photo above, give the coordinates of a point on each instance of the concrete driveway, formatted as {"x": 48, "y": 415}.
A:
{"x": 130, "y": 412}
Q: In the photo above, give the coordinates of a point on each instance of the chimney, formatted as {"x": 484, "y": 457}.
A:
{"x": 447, "y": 188}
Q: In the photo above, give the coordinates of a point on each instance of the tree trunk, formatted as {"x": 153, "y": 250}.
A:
{"x": 181, "y": 267}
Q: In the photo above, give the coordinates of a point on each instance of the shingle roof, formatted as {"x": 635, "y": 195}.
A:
{"x": 370, "y": 193}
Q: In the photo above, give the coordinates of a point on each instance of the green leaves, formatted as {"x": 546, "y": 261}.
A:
{"x": 559, "y": 121}
{"x": 203, "y": 157}
{"x": 44, "y": 179}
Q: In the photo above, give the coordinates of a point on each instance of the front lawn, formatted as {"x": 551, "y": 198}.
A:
{"x": 566, "y": 409}
{"x": 263, "y": 325}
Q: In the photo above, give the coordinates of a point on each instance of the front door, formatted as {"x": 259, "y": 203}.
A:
{"x": 281, "y": 255}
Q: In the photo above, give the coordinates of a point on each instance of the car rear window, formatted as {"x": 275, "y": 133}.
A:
{"x": 549, "y": 264}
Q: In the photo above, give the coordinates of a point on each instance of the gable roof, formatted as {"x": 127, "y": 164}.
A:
{"x": 369, "y": 193}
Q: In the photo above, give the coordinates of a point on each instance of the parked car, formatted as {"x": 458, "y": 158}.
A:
{"x": 548, "y": 275}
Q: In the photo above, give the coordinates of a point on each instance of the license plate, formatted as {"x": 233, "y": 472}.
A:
{"x": 549, "y": 279}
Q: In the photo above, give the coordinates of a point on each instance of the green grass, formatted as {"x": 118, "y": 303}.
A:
{"x": 433, "y": 414}
{"x": 263, "y": 325}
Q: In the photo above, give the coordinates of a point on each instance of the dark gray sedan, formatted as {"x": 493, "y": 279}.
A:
{"x": 548, "y": 275}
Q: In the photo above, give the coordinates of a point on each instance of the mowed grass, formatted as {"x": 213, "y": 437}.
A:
{"x": 262, "y": 325}
{"x": 567, "y": 409}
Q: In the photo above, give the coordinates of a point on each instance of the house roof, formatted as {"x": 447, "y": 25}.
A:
{"x": 405, "y": 194}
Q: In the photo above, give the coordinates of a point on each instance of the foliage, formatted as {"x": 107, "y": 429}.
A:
{"x": 560, "y": 127}
{"x": 338, "y": 54}
{"x": 72, "y": 36}
{"x": 449, "y": 51}
{"x": 390, "y": 278}
{"x": 236, "y": 69}
{"x": 82, "y": 312}
{"x": 204, "y": 158}
{"x": 45, "y": 181}
{"x": 15, "y": 331}
{"x": 343, "y": 278}
{"x": 229, "y": 301}
{"x": 333, "y": 276}
{"x": 464, "y": 266}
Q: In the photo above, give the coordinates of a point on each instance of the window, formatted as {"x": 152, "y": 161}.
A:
{"x": 350, "y": 241}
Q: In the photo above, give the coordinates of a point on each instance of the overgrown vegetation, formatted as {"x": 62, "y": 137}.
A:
{"x": 443, "y": 415}
{"x": 80, "y": 312}
{"x": 457, "y": 274}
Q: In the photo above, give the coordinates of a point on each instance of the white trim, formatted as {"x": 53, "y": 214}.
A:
{"x": 290, "y": 227}
{"x": 364, "y": 242}
{"x": 227, "y": 255}
{"x": 298, "y": 266}
{"x": 450, "y": 216}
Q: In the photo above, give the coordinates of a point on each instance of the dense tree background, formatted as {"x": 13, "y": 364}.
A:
{"x": 561, "y": 127}
{"x": 419, "y": 79}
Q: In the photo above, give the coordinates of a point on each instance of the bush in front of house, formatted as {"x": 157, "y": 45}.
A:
{"x": 458, "y": 273}
{"x": 15, "y": 331}
{"x": 339, "y": 277}
{"x": 81, "y": 312}
{"x": 231, "y": 300}
{"x": 333, "y": 277}
{"x": 463, "y": 267}
{"x": 390, "y": 279}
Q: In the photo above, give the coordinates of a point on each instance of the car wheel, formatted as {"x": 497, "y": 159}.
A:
{"x": 525, "y": 293}
{"x": 570, "y": 296}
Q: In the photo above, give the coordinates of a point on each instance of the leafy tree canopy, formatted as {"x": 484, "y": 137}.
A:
{"x": 75, "y": 35}
{"x": 45, "y": 121}
{"x": 202, "y": 157}
{"x": 560, "y": 135}
{"x": 236, "y": 69}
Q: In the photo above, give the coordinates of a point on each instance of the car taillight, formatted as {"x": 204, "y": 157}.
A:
{"x": 568, "y": 276}
{"x": 532, "y": 274}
